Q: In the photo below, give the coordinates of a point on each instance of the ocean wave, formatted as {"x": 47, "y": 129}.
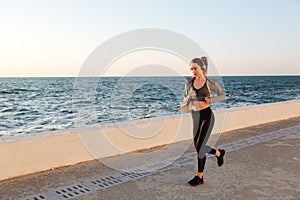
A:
{"x": 16, "y": 91}
{"x": 9, "y": 109}
{"x": 24, "y": 110}
{"x": 20, "y": 113}
{"x": 33, "y": 96}
{"x": 5, "y": 92}
{"x": 144, "y": 117}
{"x": 81, "y": 102}
{"x": 67, "y": 111}
{"x": 20, "y": 90}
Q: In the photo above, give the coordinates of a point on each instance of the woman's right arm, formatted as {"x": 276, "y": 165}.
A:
{"x": 186, "y": 93}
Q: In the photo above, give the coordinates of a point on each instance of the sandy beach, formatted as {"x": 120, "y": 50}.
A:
{"x": 261, "y": 170}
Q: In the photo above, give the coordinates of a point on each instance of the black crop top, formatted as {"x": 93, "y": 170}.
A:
{"x": 202, "y": 92}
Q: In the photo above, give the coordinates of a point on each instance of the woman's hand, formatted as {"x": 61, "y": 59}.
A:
{"x": 192, "y": 93}
{"x": 208, "y": 100}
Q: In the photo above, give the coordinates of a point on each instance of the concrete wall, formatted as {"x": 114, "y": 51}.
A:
{"x": 21, "y": 155}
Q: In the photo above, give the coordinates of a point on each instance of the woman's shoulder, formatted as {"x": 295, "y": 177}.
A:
{"x": 211, "y": 82}
{"x": 189, "y": 79}
{"x": 211, "y": 79}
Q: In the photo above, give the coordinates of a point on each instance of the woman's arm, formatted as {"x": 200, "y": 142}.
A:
{"x": 186, "y": 94}
{"x": 215, "y": 88}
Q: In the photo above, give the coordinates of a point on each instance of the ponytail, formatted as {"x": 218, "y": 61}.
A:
{"x": 205, "y": 61}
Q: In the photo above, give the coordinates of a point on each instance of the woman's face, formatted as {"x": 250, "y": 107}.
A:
{"x": 196, "y": 69}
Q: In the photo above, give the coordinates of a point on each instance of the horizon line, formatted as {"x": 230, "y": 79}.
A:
{"x": 184, "y": 75}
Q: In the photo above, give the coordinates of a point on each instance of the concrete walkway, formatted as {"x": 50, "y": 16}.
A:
{"x": 262, "y": 162}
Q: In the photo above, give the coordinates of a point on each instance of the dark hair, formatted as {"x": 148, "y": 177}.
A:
{"x": 202, "y": 62}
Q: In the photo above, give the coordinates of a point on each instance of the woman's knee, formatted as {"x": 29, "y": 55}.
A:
{"x": 201, "y": 154}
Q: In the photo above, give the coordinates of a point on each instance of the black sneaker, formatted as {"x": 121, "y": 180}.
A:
{"x": 221, "y": 157}
{"x": 196, "y": 181}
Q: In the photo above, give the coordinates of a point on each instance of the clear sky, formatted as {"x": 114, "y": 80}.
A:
{"x": 242, "y": 37}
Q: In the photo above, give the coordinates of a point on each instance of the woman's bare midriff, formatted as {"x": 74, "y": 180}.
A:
{"x": 199, "y": 105}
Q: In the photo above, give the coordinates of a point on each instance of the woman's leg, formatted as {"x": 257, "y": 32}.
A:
{"x": 203, "y": 122}
{"x": 207, "y": 120}
{"x": 206, "y": 132}
{"x": 202, "y": 126}
{"x": 196, "y": 124}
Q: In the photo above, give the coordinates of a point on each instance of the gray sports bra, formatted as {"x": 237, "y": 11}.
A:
{"x": 202, "y": 92}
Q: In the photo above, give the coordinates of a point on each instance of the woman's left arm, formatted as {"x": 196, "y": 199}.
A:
{"x": 217, "y": 90}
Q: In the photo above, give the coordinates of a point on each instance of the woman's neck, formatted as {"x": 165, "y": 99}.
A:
{"x": 200, "y": 77}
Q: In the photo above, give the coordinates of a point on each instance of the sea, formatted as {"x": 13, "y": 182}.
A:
{"x": 31, "y": 105}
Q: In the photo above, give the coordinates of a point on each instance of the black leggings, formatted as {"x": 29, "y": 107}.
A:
{"x": 203, "y": 122}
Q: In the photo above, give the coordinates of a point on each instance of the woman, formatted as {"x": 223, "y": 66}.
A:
{"x": 197, "y": 94}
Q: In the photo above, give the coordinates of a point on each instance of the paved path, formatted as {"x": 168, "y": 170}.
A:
{"x": 262, "y": 162}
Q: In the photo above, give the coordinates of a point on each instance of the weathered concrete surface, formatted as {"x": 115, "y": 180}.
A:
{"x": 268, "y": 170}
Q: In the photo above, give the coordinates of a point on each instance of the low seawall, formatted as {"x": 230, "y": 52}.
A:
{"x": 26, "y": 154}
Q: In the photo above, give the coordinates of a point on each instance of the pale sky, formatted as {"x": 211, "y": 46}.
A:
{"x": 241, "y": 37}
